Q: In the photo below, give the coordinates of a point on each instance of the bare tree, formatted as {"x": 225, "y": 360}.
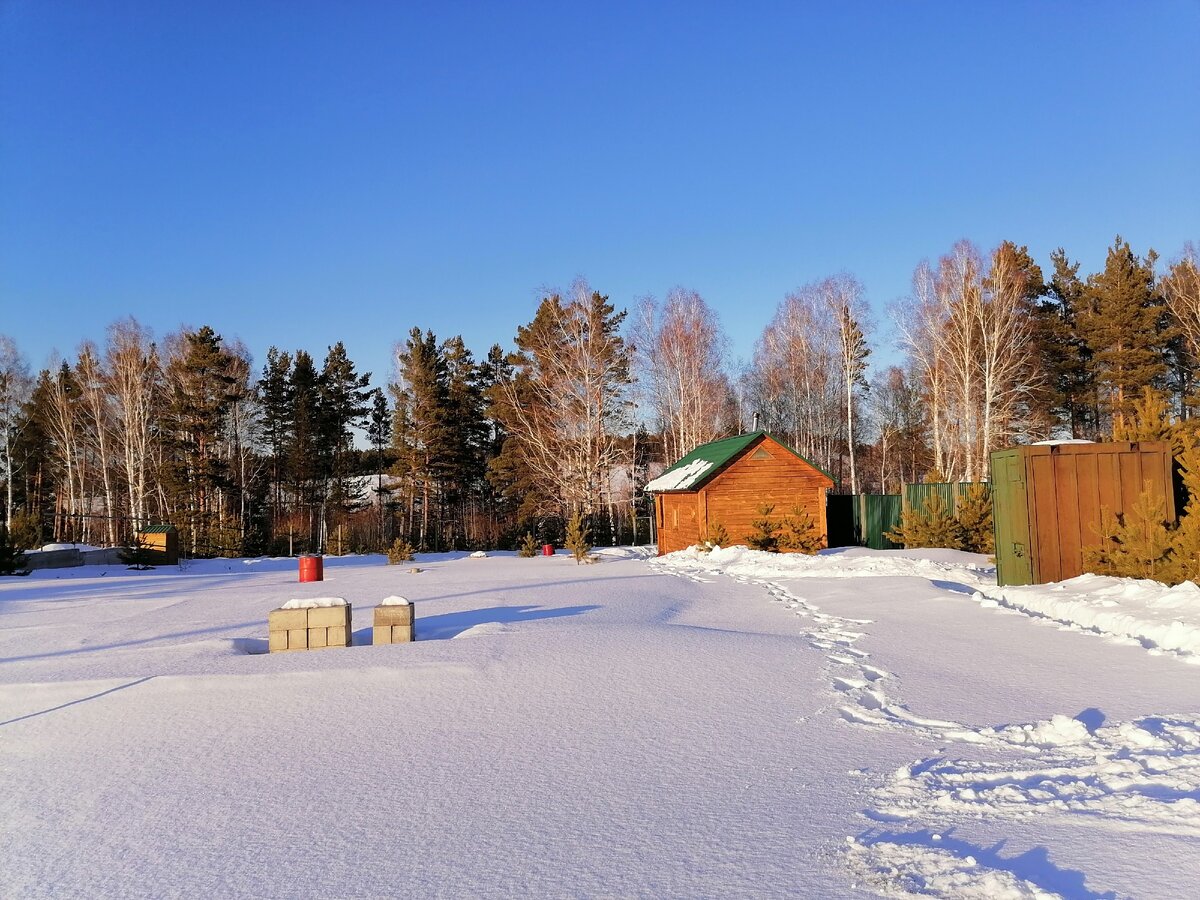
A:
{"x": 843, "y": 296}
{"x": 135, "y": 382}
{"x": 791, "y": 377}
{"x": 15, "y": 387}
{"x": 566, "y": 402}
{"x": 919, "y": 320}
{"x": 1181, "y": 286}
{"x": 679, "y": 356}
{"x": 93, "y": 388}
{"x": 1006, "y": 353}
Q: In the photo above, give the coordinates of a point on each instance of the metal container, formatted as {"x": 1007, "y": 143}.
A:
{"x": 312, "y": 568}
{"x": 1047, "y": 500}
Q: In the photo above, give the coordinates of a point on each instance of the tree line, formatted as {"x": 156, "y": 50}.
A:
{"x": 462, "y": 452}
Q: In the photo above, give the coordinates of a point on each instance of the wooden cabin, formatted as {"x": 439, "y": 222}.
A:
{"x": 726, "y": 482}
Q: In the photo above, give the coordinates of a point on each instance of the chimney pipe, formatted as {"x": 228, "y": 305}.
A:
{"x": 755, "y": 428}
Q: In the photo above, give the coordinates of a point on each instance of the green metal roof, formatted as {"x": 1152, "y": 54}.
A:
{"x": 157, "y": 529}
{"x": 702, "y": 463}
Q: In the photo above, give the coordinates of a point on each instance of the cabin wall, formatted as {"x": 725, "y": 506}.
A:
{"x": 678, "y": 521}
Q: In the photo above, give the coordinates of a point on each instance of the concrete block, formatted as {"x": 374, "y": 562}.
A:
{"x": 297, "y": 638}
{"x": 287, "y": 619}
{"x": 329, "y": 617}
{"x": 316, "y": 638}
{"x": 337, "y": 636}
{"x": 277, "y": 640}
{"x": 394, "y": 615}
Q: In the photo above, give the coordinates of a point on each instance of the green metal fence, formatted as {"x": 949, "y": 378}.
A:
{"x": 861, "y": 520}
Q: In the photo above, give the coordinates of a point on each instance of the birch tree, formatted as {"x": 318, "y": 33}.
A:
{"x": 843, "y": 296}
{"x": 16, "y": 385}
{"x": 679, "y": 355}
{"x": 565, "y": 403}
{"x": 1181, "y": 287}
{"x": 135, "y": 377}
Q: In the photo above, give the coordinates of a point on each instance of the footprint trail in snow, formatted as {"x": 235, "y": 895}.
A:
{"x": 1143, "y": 774}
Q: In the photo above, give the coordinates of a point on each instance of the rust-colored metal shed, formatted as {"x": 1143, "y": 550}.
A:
{"x": 1047, "y": 500}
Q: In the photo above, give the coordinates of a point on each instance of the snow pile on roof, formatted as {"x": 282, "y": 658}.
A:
{"x": 1154, "y": 615}
{"x": 49, "y": 547}
{"x": 314, "y": 603}
{"x": 1057, "y": 441}
{"x": 395, "y": 600}
{"x": 680, "y": 479}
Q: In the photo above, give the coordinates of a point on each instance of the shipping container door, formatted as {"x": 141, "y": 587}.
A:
{"x": 1010, "y": 517}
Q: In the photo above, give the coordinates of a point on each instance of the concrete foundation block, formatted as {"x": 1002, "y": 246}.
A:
{"x": 287, "y": 619}
{"x": 393, "y": 625}
{"x": 394, "y": 615}
{"x": 329, "y": 617}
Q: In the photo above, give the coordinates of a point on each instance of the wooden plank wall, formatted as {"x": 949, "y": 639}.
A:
{"x": 1069, "y": 484}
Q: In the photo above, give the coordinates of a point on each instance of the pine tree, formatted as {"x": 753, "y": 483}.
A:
{"x": 765, "y": 535}
{"x": 1135, "y": 544}
{"x": 379, "y": 433}
{"x": 931, "y": 526}
{"x": 424, "y": 435}
{"x": 1123, "y": 323}
{"x": 529, "y": 546}
{"x": 579, "y": 539}
{"x": 275, "y": 421}
{"x": 305, "y": 453}
{"x": 800, "y": 533}
{"x": 202, "y": 386}
{"x": 344, "y": 401}
{"x": 974, "y": 516}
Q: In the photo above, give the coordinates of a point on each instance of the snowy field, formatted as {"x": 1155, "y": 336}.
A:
{"x": 737, "y": 724}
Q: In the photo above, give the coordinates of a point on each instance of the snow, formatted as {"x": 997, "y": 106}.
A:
{"x": 478, "y": 554}
{"x": 79, "y": 547}
{"x": 858, "y": 723}
{"x": 395, "y": 600}
{"x": 681, "y": 478}
{"x": 314, "y": 603}
{"x": 1161, "y": 618}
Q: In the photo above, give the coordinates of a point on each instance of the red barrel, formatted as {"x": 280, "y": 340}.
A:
{"x": 312, "y": 568}
{"x": 547, "y": 549}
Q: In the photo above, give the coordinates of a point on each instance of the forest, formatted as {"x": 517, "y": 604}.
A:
{"x": 461, "y": 452}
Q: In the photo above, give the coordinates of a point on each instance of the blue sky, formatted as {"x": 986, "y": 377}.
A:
{"x": 298, "y": 173}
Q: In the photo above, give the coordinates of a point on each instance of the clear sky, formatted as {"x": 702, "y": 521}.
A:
{"x": 296, "y": 173}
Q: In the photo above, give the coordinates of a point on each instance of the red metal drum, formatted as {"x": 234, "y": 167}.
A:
{"x": 312, "y": 568}
{"x": 547, "y": 549}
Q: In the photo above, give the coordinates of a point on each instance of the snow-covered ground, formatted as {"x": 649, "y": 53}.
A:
{"x": 729, "y": 724}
